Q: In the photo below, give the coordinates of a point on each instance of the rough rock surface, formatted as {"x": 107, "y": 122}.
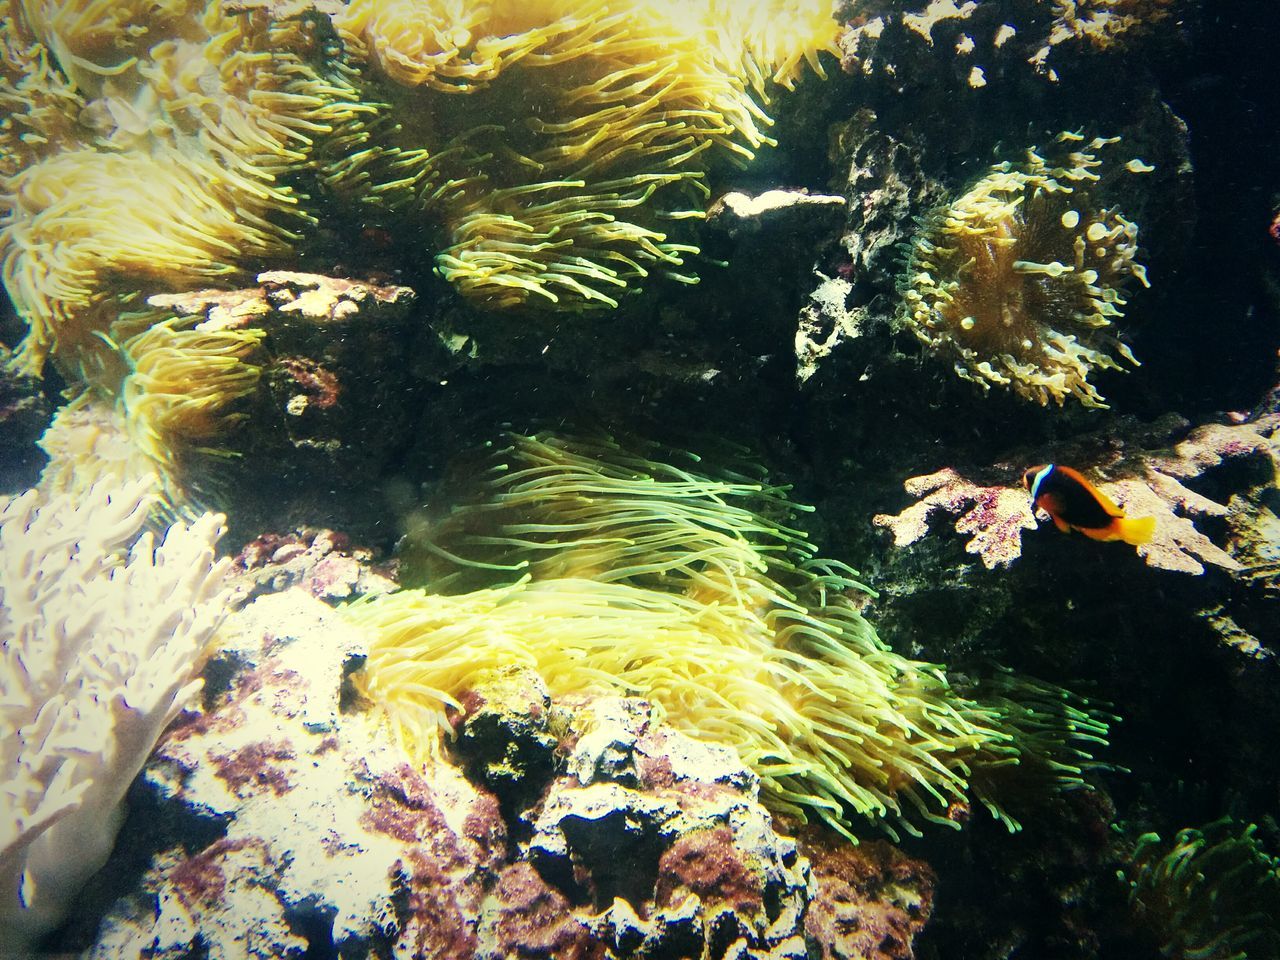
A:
{"x": 322, "y": 562}
{"x": 24, "y": 415}
{"x": 871, "y": 900}
{"x": 329, "y": 840}
{"x": 664, "y": 838}
{"x": 284, "y": 822}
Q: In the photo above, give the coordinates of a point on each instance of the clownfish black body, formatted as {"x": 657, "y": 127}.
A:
{"x": 1076, "y": 504}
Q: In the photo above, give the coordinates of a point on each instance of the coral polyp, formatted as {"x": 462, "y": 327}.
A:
{"x": 1020, "y": 281}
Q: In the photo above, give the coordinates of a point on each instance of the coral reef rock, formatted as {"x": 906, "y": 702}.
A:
{"x": 330, "y": 395}
{"x": 286, "y": 821}
{"x": 871, "y": 900}
{"x": 1144, "y": 468}
{"x": 322, "y": 562}
{"x": 665, "y": 836}
{"x": 327, "y": 837}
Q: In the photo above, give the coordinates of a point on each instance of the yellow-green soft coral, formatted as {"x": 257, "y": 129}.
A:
{"x": 181, "y": 386}
{"x": 1019, "y": 281}
{"x": 559, "y": 142}
{"x": 172, "y": 385}
{"x": 609, "y": 572}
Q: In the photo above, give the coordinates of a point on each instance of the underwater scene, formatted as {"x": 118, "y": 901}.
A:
{"x": 655, "y": 479}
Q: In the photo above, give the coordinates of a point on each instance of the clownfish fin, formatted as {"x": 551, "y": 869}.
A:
{"x": 1109, "y": 506}
{"x": 1060, "y": 523}
{"x": 1136, "y": 530}
{"x": 1111, "y": 531}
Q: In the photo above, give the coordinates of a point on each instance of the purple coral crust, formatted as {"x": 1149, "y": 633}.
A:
{"x": 255, "y": 767}
{"x": 709, "y": 864}
{"x": 530, "y": 918}
{"x": 319, "y": 385}
{"x": 440, "y": 874}
{"x": 436, "y": 910}
{"x": 871, "y": 899}
{"x": 322, "y": 562}
{"x": 200, "y": 880}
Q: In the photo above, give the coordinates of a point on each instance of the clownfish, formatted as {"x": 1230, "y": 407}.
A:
{"x": 1076, "y": 504}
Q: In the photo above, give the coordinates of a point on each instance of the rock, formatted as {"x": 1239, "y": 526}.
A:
{"x": 329, "y": 840}
{"x": 524, "y": 916}
{"x": 285, "y": 821}
{"x": 504, "y": 737}
{"x": 785, "y": 212}
{"x": 334, "y": 401}
{"x": 24, "y": 415}
{"x": 666, "y": 837}
{"x": 871, "y": 900}
{"x": 321, "y": 562}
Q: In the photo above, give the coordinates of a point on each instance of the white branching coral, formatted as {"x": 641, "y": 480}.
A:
{"x": 99, "y": 647}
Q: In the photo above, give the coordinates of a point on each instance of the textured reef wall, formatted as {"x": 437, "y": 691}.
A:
{"x": 430, "y": 299}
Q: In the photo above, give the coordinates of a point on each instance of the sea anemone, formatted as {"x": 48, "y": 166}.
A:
{"x": 181, "y": 388}
{"x": 187, "y": 125}
{"x": 560, "y": 142}
{"x": 1020, "y": 281}
{"x": 611, "y": 571}
{"x": 1213, "y": 894}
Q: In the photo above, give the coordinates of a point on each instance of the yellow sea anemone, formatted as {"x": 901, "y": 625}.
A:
{"x": 187, "y": 121}
{"x": 1019, "y": 281}
{"x": 80, "y": 216}
{"x": 39, "y": 106}
{"x": 611, "y": 572}
{"x": 182, "y": 385}
{"x": 559, "y": 142}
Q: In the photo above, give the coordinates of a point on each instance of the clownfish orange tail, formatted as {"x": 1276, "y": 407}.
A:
{"x": 1136, "y": 530}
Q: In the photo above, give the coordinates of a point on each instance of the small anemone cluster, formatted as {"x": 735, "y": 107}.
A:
{"x": 147, "y": 145}
{"x": 1020, "y": 280}
{"x": 1213, "y": 894}
{"x": 551, "y": 146}
{"x": 611, "y": 571}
